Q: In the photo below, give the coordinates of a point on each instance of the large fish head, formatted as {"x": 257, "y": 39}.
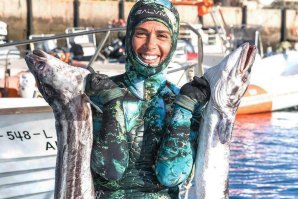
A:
{"x": 55, "y": 79}
{"x": 228, "y": 82}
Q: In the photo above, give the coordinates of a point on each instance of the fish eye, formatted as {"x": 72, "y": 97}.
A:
{"x": 40, "y": 65}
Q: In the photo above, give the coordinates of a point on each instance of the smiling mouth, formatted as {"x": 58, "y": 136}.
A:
{"x": 152, "y": 60}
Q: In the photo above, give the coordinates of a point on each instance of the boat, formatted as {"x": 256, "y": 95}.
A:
{"x": 28, "y": 148}
{"x": 273, "y": 77}
{"x": 273, "y": 84}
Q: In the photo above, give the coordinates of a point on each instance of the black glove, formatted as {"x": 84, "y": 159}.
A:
{"x": 102, "y": 86}
{"x": 194, "y": 94}
{"x": 99, "y": 82}
{"x": 198, "y": 89}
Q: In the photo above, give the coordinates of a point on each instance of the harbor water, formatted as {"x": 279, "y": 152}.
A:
{"x": 264, "y": 156}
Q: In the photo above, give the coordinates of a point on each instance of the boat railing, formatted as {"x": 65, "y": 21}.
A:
{"x": 220, "y": 26}
{"x": 233, "y": 36}
{"x": 247, "y": 33}
{"x": 198, "y": 69}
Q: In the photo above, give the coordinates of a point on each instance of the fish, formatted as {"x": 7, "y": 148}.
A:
{"x": 228, "y": 82}
{"x": 62, "y": 86}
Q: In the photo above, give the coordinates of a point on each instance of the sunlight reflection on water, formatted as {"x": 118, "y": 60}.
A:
{"x": 264, "y": 156}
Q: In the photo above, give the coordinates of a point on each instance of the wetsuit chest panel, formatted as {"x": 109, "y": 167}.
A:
{"x": 145, "y": 121}
{"x": 133, "y": 111}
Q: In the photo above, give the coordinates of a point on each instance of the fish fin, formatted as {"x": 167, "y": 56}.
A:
{"x": 224, "y": 129}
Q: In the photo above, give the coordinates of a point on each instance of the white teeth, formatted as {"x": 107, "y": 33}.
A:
{"x": 149, "y": 57}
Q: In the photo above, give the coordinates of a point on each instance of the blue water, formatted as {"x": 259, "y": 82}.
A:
{"x": 264, "y": 156}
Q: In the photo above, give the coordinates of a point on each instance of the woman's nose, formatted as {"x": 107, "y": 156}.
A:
{"x": 151, "y": 42}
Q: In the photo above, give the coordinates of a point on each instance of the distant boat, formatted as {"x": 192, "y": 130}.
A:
{"x": 274, "y": 84}
{"x": 274, "y": 79}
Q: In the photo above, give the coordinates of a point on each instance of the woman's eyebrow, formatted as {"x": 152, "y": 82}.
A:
{"x": 143, "y": 29}
{"x": 163, "y": 31}
{"x": 158, "y": 31}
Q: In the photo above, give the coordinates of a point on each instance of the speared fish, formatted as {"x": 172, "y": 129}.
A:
{"x": 62, "y": 86}
{"x": 228, "y": 81}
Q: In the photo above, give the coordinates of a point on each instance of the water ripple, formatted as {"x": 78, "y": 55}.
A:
{"x": 264, "y": 156}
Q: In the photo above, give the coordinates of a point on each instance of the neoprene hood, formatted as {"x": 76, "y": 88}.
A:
{"x": 150, "y": 10}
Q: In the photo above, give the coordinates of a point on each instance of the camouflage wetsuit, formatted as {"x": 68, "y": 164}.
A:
{"x": 144, "y": 146}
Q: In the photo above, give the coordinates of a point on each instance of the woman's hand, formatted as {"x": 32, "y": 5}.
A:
{"x": 198, "y": 89}
{"x": 194, "y": 94}
{"x": 102, "y": 86}
{"x": 99, "y": 82}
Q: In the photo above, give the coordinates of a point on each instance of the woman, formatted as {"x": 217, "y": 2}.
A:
{"x": 145, "y": 139}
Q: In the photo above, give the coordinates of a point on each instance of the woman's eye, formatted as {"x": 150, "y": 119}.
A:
{"x": 140, "y": 34}
{"x": 163, "y": 36}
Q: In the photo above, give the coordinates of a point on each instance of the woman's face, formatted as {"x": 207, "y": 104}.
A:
{"x": 151, "y": 42}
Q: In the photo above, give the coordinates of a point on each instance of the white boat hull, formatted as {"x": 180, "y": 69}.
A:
{"x": 28, "y": 149}
{"x": 274, "y": 84}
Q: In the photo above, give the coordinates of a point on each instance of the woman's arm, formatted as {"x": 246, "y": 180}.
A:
{"x": 178, "y": 148}
{"x": 109, "y": 156}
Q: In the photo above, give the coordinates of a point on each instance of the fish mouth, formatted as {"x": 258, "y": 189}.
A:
{"x": 29, "y": 59}
{"x": 37, "y": 63}
{"x": 248, "y": 53}
{"x": 39, "y": 53}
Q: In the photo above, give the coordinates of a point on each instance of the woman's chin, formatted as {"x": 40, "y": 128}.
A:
{"x": 153, "y": 65}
